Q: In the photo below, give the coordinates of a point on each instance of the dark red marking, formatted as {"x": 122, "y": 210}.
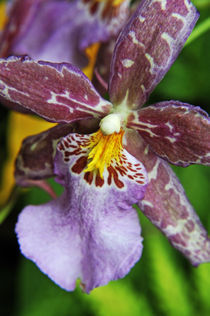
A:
{"x": 72, "y": 153}
{"x": 88, "y": 177}
{"x": 98, "y": 181}
{"x": 113, "y": 174}
{"x": 140, "y": 182}
{"x": 94, "y": 8}
{"x": 130, "y": 177}
{"x": 121, "y": 171}
{"x": 60, "y": 146}
{"x": 80, "y": 164}
{"x": 66, "y": 143}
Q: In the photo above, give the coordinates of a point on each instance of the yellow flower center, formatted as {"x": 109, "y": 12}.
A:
{"x": 105, "y": 149}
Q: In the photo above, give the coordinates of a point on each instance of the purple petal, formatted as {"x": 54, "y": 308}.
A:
{"x": 91, "y": 232}
{"x": 56, "y": 92}
{"x": 147, "y": 47}
{"x": 59, "y": 30}
{"x": 20, "y": 14}
{"x": 35, "y": 159}
{"x": 167, "y": 207}
{"x": 176, "y": 131}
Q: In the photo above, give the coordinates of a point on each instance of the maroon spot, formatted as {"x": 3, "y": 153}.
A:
{"x": 66, "y": 143}
{"x": 72, "y": 153}
{"x": 121, "y": 171}
{"x": 99, "y": 181}
{"x": 130, "y": 177}
{"x": 113, "y": 174}
{"x": 88, "y": 177}
{"x": 60, "y": 146}
{"x": 79, "y": 165}
{"x": 140, "y": 182}
{"x": 131, "y": 169}
{"x": 94, "y": 8}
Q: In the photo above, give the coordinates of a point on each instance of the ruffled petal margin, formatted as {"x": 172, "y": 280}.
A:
{"x": 92, "y": 231}
{"x": 167, "y": 207}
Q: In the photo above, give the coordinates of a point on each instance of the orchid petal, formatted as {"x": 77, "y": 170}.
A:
{"x": 81, "y": 237}
{"x": 91, "y": 232}
{"x": 176, "y": 131}
{"x": 56, "y": 92}
{"x": 60, "y": 30}
{"x": 167, "y": 207}
{"x": 147, "y": 47}
{"x": 43, "y": 146}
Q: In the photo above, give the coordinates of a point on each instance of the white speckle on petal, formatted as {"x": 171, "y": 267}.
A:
{"x": 127, "y": 63}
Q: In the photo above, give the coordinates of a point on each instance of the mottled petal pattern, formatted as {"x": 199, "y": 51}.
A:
{"x": 147, "y": 47}
{"x": 178, "y": 132}
{"x": 56, "y": 92}
{"x": 167, "y": 207}
{"x": 36, "y": 156}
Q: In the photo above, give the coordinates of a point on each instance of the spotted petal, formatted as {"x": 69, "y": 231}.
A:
{"x": 91, "y": 232}
{"x": 147, "y": 47}
{"x": 176, "y": 131}
{"x": 167, "y": 207}
{"x": 56, "y": 92}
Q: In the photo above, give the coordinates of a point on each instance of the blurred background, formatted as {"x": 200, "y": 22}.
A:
{"x": 163, "y": 282}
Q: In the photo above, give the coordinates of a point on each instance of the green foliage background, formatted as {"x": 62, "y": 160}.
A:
{"x": 162, "y": 283}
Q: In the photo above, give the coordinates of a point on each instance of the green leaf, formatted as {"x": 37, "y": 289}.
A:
{"x": 202, "y": 28}
{"x": 202, "y": 288}
{"x": 167, "y": 280}
{"x": 119, "y": 299}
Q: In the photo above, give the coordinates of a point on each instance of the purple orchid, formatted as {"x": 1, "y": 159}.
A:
{"x": 60, "y": 30}
{"x": 109, "y": 155}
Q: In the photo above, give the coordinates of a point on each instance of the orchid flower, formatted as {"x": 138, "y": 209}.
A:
{"x": 55, "y": 31}
{"x": 109, "y": 155}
